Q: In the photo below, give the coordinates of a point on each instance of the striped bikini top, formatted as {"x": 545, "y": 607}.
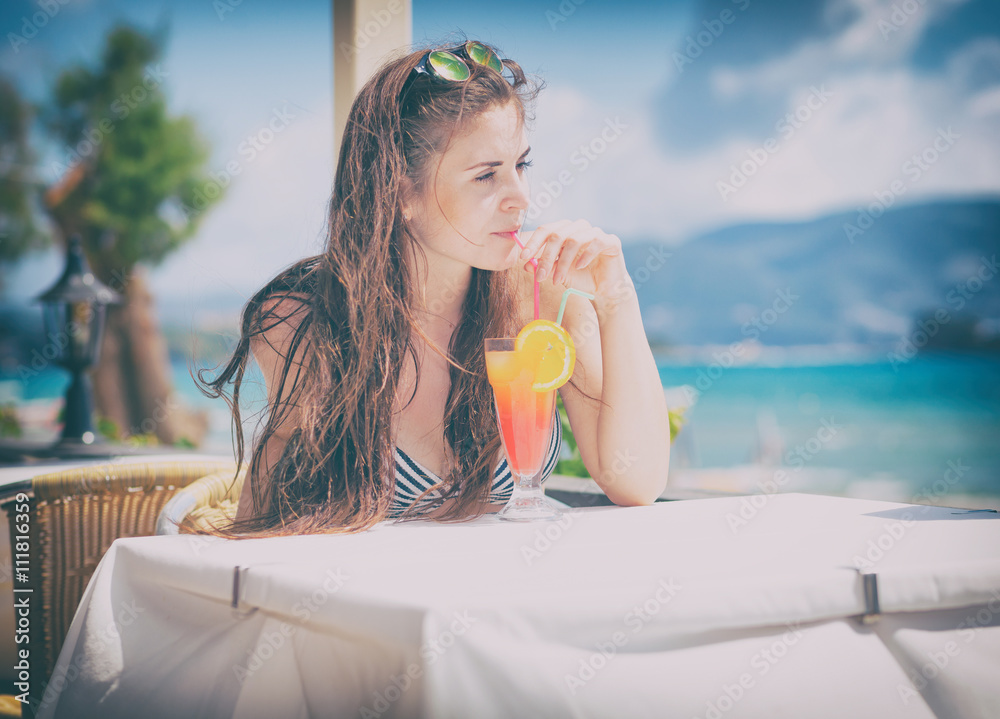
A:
{"x": 412, "y": 478}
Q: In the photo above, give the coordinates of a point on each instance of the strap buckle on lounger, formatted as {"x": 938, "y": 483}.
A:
{"x": 869, "y": 586}
{"x": 238, "y": 579}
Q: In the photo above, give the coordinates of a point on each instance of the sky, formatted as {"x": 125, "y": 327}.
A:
{"x": 658, "y": 121}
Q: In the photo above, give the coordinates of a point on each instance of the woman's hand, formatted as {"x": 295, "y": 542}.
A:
{"x": 579, "y": 255}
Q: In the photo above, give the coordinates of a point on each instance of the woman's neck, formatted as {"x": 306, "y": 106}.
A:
{"x": 440, "y": 286}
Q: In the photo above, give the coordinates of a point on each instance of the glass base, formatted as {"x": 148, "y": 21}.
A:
{"x": 529, "y": 506}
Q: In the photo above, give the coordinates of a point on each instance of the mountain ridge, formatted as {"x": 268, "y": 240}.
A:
{"x": 780, "y": 283}
{"x": 716, "y": 287}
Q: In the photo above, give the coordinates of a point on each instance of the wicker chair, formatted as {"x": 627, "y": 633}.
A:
{"x": 209, "y": 501}
{"x": 71, "y": 518}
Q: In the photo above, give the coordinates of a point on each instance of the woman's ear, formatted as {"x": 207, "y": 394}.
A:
{"x": 407, "y": 194}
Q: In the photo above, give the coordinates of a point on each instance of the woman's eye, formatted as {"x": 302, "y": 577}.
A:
{"x": 488, "y": 177}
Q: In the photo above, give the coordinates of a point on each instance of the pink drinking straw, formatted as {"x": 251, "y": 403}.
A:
{"x": 534, "y": 263}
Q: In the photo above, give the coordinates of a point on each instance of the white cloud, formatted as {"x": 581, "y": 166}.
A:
{"x": 880, "y": 114}
{"x": 273, "y": 214}
{"x": 985, "y": 103}
{"x": 885, "y": 30}
{"x": 877, "y": 319}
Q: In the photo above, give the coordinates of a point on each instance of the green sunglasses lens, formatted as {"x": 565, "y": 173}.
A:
{"x": 448, "y": 66}
{"x": 483, "y": 55}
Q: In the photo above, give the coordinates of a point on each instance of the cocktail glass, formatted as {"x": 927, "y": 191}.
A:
{"x": 525, "y": 418}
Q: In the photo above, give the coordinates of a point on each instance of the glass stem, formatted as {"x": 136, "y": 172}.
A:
{"x": 529, "y": 485}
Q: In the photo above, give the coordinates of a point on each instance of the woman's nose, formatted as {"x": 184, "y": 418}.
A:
{"x": 517, "y": 197}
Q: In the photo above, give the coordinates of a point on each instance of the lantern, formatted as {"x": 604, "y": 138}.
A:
{"x": 74, "y": 311}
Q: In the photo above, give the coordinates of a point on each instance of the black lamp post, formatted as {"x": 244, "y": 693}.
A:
{"x": 74, "y": 309}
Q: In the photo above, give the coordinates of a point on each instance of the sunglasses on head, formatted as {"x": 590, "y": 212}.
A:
{"x": 450, "y": 65}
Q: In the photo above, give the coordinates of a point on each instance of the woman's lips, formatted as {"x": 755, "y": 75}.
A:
{"x": 516, "y": 238}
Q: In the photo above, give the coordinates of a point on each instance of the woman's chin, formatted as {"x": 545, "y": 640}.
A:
{"x": 510, "y": 260}
{"x": 498, "y": 264}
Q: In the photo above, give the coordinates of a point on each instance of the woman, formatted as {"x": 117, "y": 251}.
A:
{"x": 373, "y": 350}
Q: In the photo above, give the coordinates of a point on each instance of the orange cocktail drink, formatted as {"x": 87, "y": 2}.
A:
{"x": 525, "y": 415}
{"x": 525, "y": 373}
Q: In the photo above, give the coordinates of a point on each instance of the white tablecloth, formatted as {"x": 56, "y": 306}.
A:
{"x": 715, "y": 608}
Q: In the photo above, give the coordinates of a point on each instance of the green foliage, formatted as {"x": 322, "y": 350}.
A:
{"x": 146, "y": 439}
{"x": 9, "y": 424}
{"x": 18, "y": 231}
{"x": 110, "y": 430}
{"x": 676, "y": 421}
{"x": 573, "y": 465}
{"x": 140, "y": 167}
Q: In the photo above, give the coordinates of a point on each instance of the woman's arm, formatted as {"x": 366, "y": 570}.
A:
{"x": 270, "y": 350}
{"x": 624, "y": 443}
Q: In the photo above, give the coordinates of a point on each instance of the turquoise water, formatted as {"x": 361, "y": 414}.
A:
{"x": 900, "y": 425}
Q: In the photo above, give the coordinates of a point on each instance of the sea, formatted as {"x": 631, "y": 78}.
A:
{"x": 902, "y": 431}
{"x": 882, "y": 429}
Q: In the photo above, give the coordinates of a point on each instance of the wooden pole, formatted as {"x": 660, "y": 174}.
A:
{"x": 365, "y": 32}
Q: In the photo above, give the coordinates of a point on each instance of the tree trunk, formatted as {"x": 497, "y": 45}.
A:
{"x": 132, "y": 383}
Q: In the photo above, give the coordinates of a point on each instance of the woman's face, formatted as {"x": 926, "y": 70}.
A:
{"x": 480, "y": 188}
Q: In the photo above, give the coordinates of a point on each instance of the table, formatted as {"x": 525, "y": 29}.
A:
{"x": 713, "y": 608}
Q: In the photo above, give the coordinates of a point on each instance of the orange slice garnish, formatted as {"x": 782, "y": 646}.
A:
{"x": 552, "y": 353}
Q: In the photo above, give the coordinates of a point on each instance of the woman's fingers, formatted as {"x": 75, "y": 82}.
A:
{"x": 578, "y": 236}
{"x": 585, "y": 257}
{"x": 591, "y": 251}
{"x": 533, "y": 245}
{"x": 564, "y": 247}
{"x": 567, "y": 257}
{"x": 533, "y": 241}
{"x": 549, "y": 255}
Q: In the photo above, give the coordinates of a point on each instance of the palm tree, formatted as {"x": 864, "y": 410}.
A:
{"x": 18, "y": 232}
{"x": 128, "y": 176}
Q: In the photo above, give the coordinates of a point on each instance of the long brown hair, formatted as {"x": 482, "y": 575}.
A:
{"x": 355, "y": 324}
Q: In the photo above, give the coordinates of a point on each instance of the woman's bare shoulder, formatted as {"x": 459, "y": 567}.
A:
{"x": 280, "y": 318}
{"x": 275, "y": 348}
{"x": 289, "y": 306}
